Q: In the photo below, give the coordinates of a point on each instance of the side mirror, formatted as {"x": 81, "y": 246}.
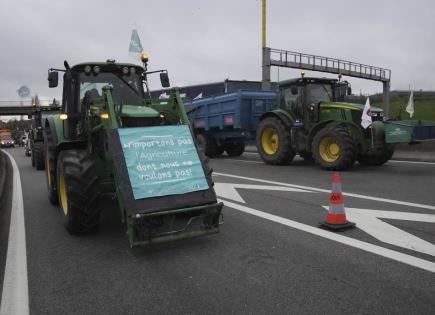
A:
{"x": 53, "y": 79}
{"x": 164, "y": 80}
{"x": 294, "y": 90}
{"x": 349, "y": 90}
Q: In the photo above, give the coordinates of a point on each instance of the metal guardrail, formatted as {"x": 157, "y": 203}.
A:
{"x": 290, "y": 59}
{"x": 26, "y": 103}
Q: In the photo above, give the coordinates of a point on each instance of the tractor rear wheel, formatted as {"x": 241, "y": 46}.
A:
{"x": 207, "y": 143}
{"x": 50, "y": 167}
{"x": 38, "y": 155}
{"x": 380, "y": 157}
{"x": 274, "y": 142}
{"x": 235, "y": 147}
{"x": 334, "y": 148}
{"x": 77, "y": 183}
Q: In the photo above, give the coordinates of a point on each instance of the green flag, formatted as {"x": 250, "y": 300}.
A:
{"x": 135, "y": 48}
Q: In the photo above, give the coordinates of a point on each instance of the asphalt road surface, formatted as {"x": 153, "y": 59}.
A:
{"x": 270, "y": 256}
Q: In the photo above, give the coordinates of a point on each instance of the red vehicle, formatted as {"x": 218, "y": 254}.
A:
{"x": 6, "y": 139}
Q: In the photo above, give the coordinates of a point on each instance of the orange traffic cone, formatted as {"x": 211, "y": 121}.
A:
{"x": 336, "y": 219}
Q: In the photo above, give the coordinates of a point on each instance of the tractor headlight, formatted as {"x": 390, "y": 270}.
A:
{"x": 96, "y": 69}
{"x": 125, "y": 70}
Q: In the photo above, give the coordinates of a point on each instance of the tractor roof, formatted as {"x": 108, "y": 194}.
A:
{"x": 307, "y": 80}
{"x": 105, "y": 65}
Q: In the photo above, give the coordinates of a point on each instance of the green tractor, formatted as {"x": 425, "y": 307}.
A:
{"x": 313, "y": 120}
{"x": 36, "y": 136}
{"x": 87, "y": 155}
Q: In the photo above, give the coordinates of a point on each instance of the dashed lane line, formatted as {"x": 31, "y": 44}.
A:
{"x": 15, "y": 295}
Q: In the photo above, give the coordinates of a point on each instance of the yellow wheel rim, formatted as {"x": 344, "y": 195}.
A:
{"x": 63, "y": 194}
{"x": 329, "y": 149}
{"x": 270, "y": 141}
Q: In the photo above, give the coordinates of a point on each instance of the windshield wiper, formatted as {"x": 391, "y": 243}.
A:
{"x": 128, "y": 84}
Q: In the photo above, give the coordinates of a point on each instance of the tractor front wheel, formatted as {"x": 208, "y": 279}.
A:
{"x": 274, "y": 142}
{"x": 50, "y": 167}
{"x": 78, "y": 189}
{"x": 380, "y": 157}
{"x": 334, "y": 148}
{"x": 38, "y": 155}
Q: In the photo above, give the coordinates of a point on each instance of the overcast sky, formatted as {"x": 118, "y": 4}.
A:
{"x": 208, "y": 41}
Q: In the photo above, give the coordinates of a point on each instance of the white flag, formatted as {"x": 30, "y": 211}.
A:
{"x": 198, "y": 96}
{"x": 163, "y": 96}
{"x": 366, "y": 117}
{"x": 410, "y": 107}
{"x": 135, "y": 48}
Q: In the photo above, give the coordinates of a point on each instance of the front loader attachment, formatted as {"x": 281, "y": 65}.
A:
{"x": 164, "y": 185}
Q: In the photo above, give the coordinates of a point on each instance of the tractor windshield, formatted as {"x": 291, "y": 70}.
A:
{"x": 127, "y": 89}
{"x": 319, "y": 93}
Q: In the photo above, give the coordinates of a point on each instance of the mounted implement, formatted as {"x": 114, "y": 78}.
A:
{"x": 112, "y": 138}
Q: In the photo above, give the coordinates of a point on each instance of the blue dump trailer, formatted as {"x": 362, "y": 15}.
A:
{"x": 229, "y": 121}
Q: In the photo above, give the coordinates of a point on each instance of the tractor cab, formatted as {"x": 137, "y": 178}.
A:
{"x": 88, "y": 85}
{"x": 302, "y": 97}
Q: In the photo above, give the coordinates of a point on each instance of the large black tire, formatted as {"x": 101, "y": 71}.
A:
{"x": 377, "y": 158}
{"x": 207, "y": 144}
{"x": 38, "y": 155}
{"x": 50, "y": 166}
{"x": 32, "y": 152}
{"x": 274, "y": 142}
{"x": 220, "y": 149}
{"x": 234, "y": 147}
{"x": 79, "y": 192}
{"x": 334, "y": 148}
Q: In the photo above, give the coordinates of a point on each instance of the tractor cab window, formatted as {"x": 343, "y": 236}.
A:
{"x": 291, "y": 99}
{"x": 317, "y": 93}
{"x": 126, "y": 89}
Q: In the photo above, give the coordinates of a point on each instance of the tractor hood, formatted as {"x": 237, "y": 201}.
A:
{"x": 351, "y": 106}
{"x": 138, "y": 111}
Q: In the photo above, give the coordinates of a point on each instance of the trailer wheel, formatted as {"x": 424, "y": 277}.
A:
{"x": 234, "y": 147}
{"x": 220, "y": 149}
{"x": 274, "y": 142}
{"x": 334, "y": 148}
{"x": 379, "y": 158}
{"x": 79, "y": 192}
{"x": 207, "y": 144}
{"x": 50, "y": 167}
{"x": 38, "y": 155}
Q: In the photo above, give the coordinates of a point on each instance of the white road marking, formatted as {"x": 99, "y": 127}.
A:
{"x": 411, "y": 162}
{"x": 245, "y": 161}
{"x": 15, "y": 294}
{"x": 368, "y": 221}
{"x": 394, "y": 161}
{"x": 392, "y": 201}
{"x": 385, "y": 252}
{"x": 228, "y": 190}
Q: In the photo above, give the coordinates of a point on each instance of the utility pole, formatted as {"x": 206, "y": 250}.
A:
{"x": 265, "y": 81}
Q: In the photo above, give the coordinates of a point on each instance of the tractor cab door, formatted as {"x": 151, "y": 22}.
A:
{"x": 291, "y": 100}
{"x": 315, "y": 94}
